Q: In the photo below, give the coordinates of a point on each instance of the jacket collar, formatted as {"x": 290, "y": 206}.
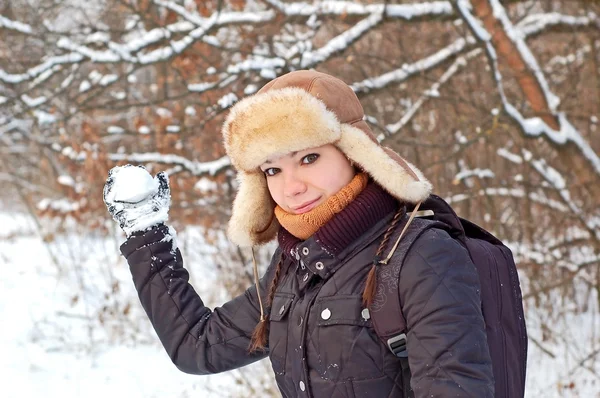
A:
{"x": 347, "y": 232}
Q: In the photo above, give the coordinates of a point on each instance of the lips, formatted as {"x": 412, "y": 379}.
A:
{"x": 306, "y": 206}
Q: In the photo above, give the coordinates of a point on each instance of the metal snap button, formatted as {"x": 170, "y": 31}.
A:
{"x": 305, "y": 277}
{"x": 366, "y": 314}
{"x": 302, "y": 386}
{"x": 319, "y": 266}
{"x": 305, "y": 251}
{"x": 282, "y": 309}
{"x": 326, "y": 314}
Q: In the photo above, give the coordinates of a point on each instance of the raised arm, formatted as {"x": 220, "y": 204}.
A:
{"x": 197, "y": 340}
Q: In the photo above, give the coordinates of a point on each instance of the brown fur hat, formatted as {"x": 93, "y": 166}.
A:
{"x": 294, "y": 112}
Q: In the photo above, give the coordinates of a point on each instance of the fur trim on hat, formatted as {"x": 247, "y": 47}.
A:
{"x": 396, "y": 178}
{"x": 253, "y": 219}
{"x": 275, "y": 123}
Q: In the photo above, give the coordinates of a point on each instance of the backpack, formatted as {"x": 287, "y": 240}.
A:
{"x": 502, "y": 303}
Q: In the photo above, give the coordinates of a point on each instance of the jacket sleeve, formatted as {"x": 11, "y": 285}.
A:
{"x": 198, "y": 340}
{"x": 446, "y": 340}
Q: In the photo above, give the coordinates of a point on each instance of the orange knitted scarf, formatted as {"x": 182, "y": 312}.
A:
{"x": 303, "y": 226}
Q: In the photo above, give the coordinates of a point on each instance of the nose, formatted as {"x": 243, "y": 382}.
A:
{"x": 293, "y": 185}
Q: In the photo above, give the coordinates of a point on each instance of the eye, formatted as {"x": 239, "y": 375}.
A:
{"x": 310, "y": 158}
{"x": 271, "y": 171}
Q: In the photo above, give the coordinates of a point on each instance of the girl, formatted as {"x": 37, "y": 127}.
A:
{"x": 313, "y": 177}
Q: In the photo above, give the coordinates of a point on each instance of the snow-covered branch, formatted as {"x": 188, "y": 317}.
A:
{"x": 179, "y": 163}
{"x": 31, "y": 187}
{"x": 554, "y": 180}
{"x": 340, "y": 42}
{"x": 131, "y": 50}
{"x": 531, "y": 25}
{"x": 457, "y": 65}
{"x": 547, "y": 101}
{"x": 15, "y": 26}
{"x": 408, "y": 70}
{"x": 401, "y": 11}
{"x": 36, "y": 71}
{"x": 558, "y": 183}
{"x": 518, "y": 193}
{"x": 537, "y": 23}
{"x": 465, "y": 174}
{"x": 195, "y": 168}
{"x": 258, "y": 63}
{"x": 220, "y": 17}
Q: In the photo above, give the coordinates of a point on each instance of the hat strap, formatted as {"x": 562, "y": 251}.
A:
{"x": 255, "y": 268}
{"x": 412, "y": 216}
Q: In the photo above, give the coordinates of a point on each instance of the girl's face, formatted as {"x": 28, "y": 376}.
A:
{"x": 300, "y": 181}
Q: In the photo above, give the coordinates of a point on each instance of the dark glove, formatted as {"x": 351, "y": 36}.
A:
{"x": 135, "y": 200}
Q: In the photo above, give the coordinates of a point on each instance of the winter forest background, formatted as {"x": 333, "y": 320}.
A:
{"x": 497, "y": 101}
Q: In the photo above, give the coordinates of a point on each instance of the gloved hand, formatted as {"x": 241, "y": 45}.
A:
{"x": 135, "y": 200}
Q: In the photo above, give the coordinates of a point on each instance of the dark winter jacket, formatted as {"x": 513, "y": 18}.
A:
{"x": 321, "y": 340}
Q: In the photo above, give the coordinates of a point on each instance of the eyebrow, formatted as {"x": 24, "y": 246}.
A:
{"x": 292, "y": 154}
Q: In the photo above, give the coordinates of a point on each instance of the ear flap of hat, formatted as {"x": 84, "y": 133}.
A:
{"x": 397, "y": 176}
{"x": 253, "y": 219}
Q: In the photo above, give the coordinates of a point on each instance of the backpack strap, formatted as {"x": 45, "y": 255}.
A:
{"x": 386, "y": 310}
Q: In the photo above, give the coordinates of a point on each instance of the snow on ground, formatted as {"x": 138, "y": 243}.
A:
{"x": 53, "y": 343}
{"x": 48, "y": 346}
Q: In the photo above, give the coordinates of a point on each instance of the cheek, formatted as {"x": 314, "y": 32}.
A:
{"x": 333, "y": 182}
{"x": 276, "y": 190}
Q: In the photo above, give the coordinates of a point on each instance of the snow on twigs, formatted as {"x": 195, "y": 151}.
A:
{"x": 196, "y": 168}
{"x": 465, "y": 8}
{"x": 536, "y": 127}
{"x": 11, "y": 78}
{"x": 59, "y": 205}
{"x": 15, "y": 25}
{"x": 405, "y": 11}
{"x": 33, "y": 102}
{"x": 409, "y": 11}
{"x": 256, "y": 63}
{"x": 130, "y": 51}
{"x": 517, "y": 38}
{"x": 200, "y": 87}
{"x": 44, "y": 118}
{"x": 509, "y": 156}
{"x": 408, "y": 70}
{"x": 227, "y": 100}
{"x": 223, "y": 17}
{"x": 536, "y": 23}
{"x": 479, "y": 173}
{"x": 511, "y": 193}
{"x": 115, "y": 130}
{"x": 341, "y": 41}
{"x": 105, "y": 56}
{"x": 533, "y": 126}
{"x": 458, "y": 64}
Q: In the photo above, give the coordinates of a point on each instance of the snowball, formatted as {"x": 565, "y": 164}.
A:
{"x": 132, "y": 184}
